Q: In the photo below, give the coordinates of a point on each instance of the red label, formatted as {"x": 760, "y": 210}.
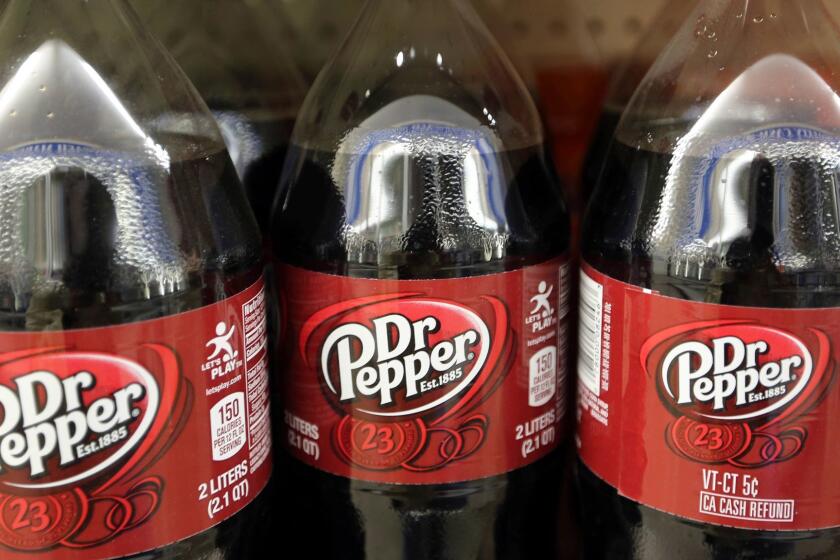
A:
{"x": 119, "y": 440}
{"x": 424, "y": 381}
{"x": 716, "y": 413}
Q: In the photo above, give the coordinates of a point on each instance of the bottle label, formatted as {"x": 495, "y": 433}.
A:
{"x": 424, "y": 381}
{"x": 720, "y": 414}
{"x": 124, "y": 439}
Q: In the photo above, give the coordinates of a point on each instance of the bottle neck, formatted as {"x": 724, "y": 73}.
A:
{"x": 415, "y": 17}
{"x": 64, "y": 7}
{"x": 769, "y": 11}
{"x": 34, "y": 20}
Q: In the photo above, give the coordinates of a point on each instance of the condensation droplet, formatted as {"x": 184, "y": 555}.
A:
{"x": 701, "y": 28}
{"x": 50, "y": 115}
{"x": 712, "y": 54}
{"x": 13, "y": 113}
{"x": 42, "y": 89}
{"x": 758, "y": 19}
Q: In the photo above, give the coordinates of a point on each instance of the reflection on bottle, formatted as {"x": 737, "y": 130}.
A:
{"x": 411, "y": 184}
{"x": 64, "y": 199}
{"x": 718, "y": 175}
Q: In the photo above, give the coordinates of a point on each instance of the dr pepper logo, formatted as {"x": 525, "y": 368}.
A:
{"x": 65, "y": 421}
{"x": 73, "y": 425}
{"x": 404, "y": 371}
{"x": 737, "y": 388}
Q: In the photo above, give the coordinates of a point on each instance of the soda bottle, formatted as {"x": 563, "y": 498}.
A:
{"x": 626, "y": 79}
{"x": 132, "y": 376}
{"x": 238, "y": 54}
{"x": 710, "y": 295}
{"x": 420, "y": 243}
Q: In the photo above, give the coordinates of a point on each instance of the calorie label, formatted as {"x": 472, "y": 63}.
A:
{"x": 424, "y": 381}
{"x": 720, "y": 414}
{"x": 124, "y": 439}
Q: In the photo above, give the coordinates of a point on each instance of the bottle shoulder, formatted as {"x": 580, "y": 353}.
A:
{"x": 437, "y": 211}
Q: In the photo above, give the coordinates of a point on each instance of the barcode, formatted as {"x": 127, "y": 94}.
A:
{"x": 563, "y": 305}
{"x": 590, "y": 333}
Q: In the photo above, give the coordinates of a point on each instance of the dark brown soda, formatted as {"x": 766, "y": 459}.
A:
{"x": 258, "y": 141}
{"x": 70, "y": 230}
{"x": 617, "y": 242}
{"x": 512, "y": 516}
{"x": 596, "y": 156}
